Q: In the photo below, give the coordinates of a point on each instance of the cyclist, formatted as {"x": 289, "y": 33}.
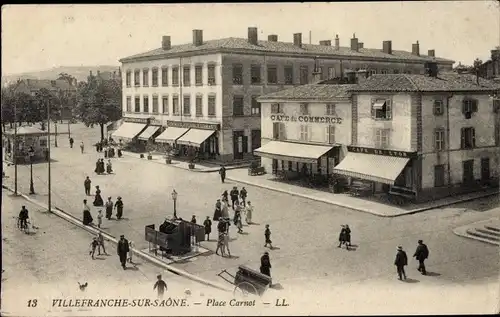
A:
{"x": 23, "y": 218}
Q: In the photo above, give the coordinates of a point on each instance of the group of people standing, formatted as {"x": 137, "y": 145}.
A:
{"x": 345, "y": 237}
{"x": 99, "y": 167}
{"x": 99, "y": 202}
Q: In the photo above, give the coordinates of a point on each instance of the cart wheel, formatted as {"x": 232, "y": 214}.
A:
{"x": 244, "y": 289}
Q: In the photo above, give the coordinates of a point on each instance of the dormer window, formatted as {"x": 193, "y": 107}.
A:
{"x": 381, "y": 109}
{"x": 469, "y": 106}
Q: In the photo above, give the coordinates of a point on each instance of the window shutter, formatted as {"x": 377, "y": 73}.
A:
{"x": 474, "y": 105}
{"x": 283, "y": 131}
{"x": 464, "y": 102}
{"x": 435, "y": 108}
{"x": 462, "y": 138}
{"x": 275, "y": 130}
{"x": 388, "y": 107}
{"x": 327, "y": 134}
{"x": 373, "y": 110}
{"x": 473, "y": 135}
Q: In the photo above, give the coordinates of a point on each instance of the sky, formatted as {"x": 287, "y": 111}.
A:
{"x": 37, "y": 37}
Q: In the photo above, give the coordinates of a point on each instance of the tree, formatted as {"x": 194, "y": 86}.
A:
{"x": 476, "y": 67}
{"x": 99, "y": 102}
{"x": 69, "y": 78}
{"x": 44, "y": 98}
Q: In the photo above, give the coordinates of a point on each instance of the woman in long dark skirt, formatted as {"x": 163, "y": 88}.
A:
{"x": 342, "y": 236}
{"x": 98, "y": 202}
{"x": 218, "y": 210}
{"x": 119, "y": 207}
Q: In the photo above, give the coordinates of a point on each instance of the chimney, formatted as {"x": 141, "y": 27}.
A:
{"x": 351, "y": 76}
{"x": 165, "y": 42}
{"x": 415, "y": 49}
{"x": 272, "y": 38}
{"x": 431, "y": 53}
{"x": 337, "y": 42}
{"x": 387, "y": 47}
{"x": 297, "y": 39}
{"x": 197, "y": 37}
{"x": 354, "y": 43}
{"x": 252, "y": 36}
{"x": 361, "y": 45}
{"x": 361, "y": 76}
{"x": 325, "y": 43}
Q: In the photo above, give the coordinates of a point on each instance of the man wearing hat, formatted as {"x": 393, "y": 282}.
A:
{"x": 421, "y": 254}
{"x": 400, "y": 263}
{"x": 265, "y": 264}
{"x": 122, "y": 250}
{"x": 119, "y": 207}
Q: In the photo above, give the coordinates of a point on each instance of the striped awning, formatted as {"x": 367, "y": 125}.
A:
{"x": 128, "y": 130}
{"x": 296, "y": 152}
{"x": 171, "y": 134}
{"x": 148, "y": 133}
{"x": 376, "y": 168}
{"x": 195, "y": 137}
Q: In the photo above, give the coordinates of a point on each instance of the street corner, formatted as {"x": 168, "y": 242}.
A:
{"x": 487, "y": 231}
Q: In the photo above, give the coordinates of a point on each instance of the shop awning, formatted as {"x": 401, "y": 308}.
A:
{"x": 128, "y": 130}
{"x": 170, "y": 135}
{"x": 377, "y": 168}
{"x": 379, "y": 105}
{"x": 148, "y": 133}
{"x": 296, "y": 152}
{"x": 195, "y": 137}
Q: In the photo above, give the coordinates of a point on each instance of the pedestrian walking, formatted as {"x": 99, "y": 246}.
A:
{"x": 226, "y": 243}
{"x": 222, "y": 173}
{"x": 221, "y": 226}
{"x": 109, "y": 208}
{"x": 23, "y": 218}
{"x": 208, "y": 227}
{"x": 234, "y": 195}
{"x": 267, "y": 235}
{"x": 218, "y": 210}
{"x": 347, "y": 237}
{"x": 237, "y": 222}
{"x": 342, "y": 236}
{"x": 131, "y": 246}
{"x": 160, "y": 285}
{"x": 109, "y": 167}
{"x": 249, "y": 213}
{"x": 99, "y": 219}
{"x": 100, "y": 239}
{"x": 193, "y": 219}
{"x": 400, "y": 263}
{"x": 119, "y": 208}
{"x": 71, "y": 141}
{"x": 82, "y": 146}
{"x": 225, "y": 196}
{"x": 421, "y": 254}
{"x": 98, "y": 202}
{"x": 243, "y": 196}
{"x": 101, "y": 166}
{"x": 220, "y": 242}
{"x": 265, "y": 264}
{"x": 225, "y": 209}
{"x": 122, "y": 250}
{"x": 87, "y": 184}
{"x": 87, "y": 217}
{"x": 93, "y": 246}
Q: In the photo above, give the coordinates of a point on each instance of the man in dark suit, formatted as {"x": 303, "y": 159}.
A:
{"x": 265, "y": 264}
{"x": 222, "y": 172}
{"x": 421, "y": 254}
{"x": 400, "y": 263}
{"x": 122, "y": 250}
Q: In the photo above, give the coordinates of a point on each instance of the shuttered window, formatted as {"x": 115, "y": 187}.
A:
{"x": 468, "y": 138}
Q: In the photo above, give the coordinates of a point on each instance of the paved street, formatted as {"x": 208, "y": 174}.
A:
{"x": 305, "y": 232}
{"x": 50, "y": 263}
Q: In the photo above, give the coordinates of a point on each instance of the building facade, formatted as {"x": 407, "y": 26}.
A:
{"x": 491, "y": 69}
{"x": 217, "y": 82}
{"x": 417, "y": 136}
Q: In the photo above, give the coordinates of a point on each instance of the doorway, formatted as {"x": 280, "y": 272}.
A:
{"x": 240, "y": 144}
{"x": 485, "y": 169}
{"x": 468, "y": 171}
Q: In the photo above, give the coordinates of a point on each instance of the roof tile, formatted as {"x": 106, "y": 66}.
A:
{"x": 311, "y": 92}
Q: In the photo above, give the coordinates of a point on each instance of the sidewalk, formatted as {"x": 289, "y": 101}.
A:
{"x": 487, "y": 231}
{"x": 345, "y": 200}
{"x": 199, "y": 167}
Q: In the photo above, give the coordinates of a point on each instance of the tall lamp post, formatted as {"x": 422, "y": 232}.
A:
{"x": 174, "y": 198}
{"x": 31, "y": 153}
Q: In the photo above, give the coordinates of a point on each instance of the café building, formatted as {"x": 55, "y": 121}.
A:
{"x": 137, "y": 133}
{"x": 303, "y": 131}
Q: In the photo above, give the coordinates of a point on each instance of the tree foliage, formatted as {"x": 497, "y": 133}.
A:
{"x": 99, "y": 102}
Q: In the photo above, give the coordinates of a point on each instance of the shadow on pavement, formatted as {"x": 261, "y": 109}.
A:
{"x": 277, "y": 286}
{"x": 411, "y": 280}
{"x": 244, "y": 233}
{"x": 433, "y": 274}
{"x": 275, "y": 248}
{"x": 233, "y": 257}
{"x": 208, "y": 253}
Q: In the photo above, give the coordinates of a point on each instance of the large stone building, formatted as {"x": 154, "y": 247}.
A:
{"x": 491, "y": 69}
{"x": 416, "y": 136}
{"x": 208, "y": 89}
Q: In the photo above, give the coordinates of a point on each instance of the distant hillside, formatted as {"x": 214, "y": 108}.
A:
{"x": 79, "y": 72}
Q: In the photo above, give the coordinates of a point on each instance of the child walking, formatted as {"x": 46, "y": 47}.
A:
{"x": 99, "y": 219}
{"x": 267, "y": 234}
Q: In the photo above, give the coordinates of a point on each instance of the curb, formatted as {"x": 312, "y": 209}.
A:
{"x": 70, "y": 218}
{"x": 462, "y": 232}
{"x": 214, "y": 170}
{"x": 409, "y": 212}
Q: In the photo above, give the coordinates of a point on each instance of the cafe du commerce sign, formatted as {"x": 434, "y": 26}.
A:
{"x": 151, "y": 120}
{"x": 307, "y": 119}
{"x": 381, "y": 152}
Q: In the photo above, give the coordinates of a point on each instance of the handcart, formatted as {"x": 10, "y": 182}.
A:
{"x": 247, "y": 281}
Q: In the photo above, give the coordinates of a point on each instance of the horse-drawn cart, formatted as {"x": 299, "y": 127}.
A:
{"x": 247, "y": 281}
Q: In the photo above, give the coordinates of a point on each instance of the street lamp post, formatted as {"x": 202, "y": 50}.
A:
{"x": 55, "y": 136}
{"x": 174, "y": 198}
{"x": 31, "y": 153}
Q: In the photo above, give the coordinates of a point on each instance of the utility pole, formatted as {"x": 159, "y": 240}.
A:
{"x": 310, "y": 37}
{"x": 48, "y": 144}
{"x": 15, "y": 148}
